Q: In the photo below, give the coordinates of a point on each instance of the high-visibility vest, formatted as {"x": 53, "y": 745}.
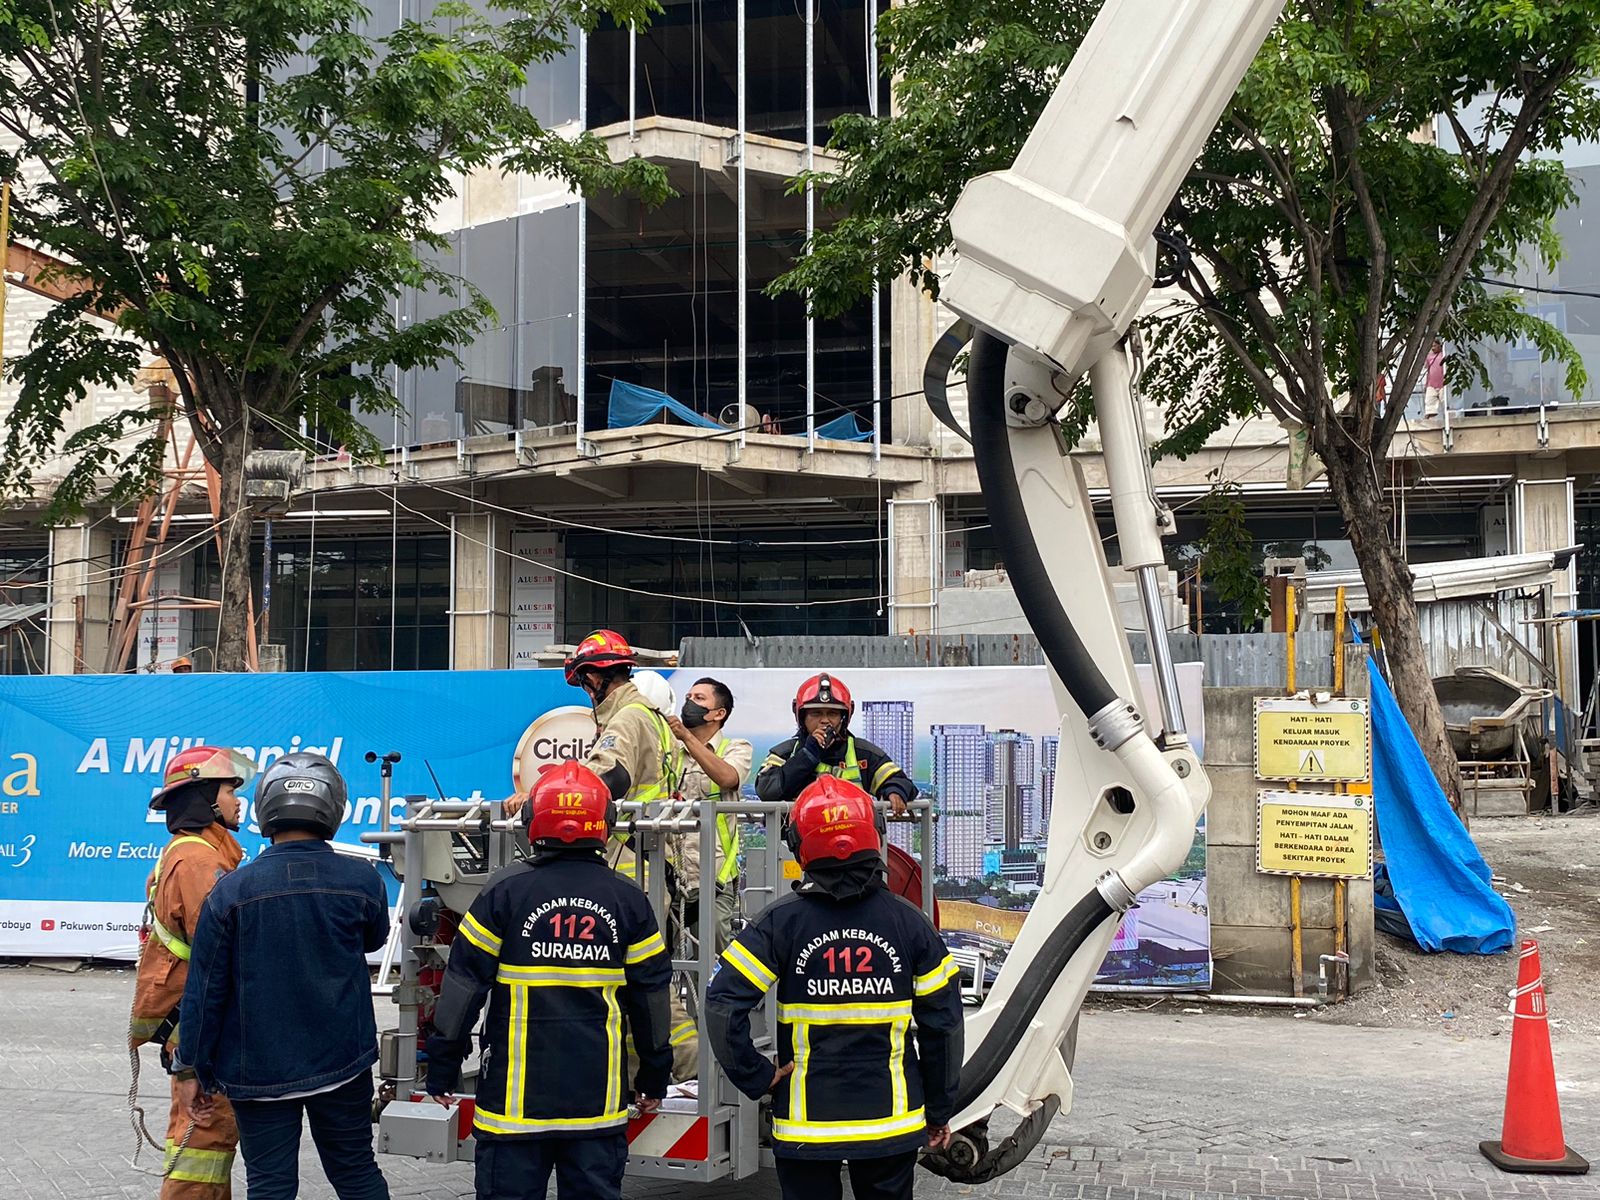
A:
{"x": 849, "y": 770}
{"x": 727, "y": 831}
{"x": 174, "y": 944}
{"x": 666, "y": 783}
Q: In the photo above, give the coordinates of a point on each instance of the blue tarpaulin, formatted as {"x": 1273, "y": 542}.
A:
{"x": 1438, "y": 879}
{"x": 845, "y": 429}
{"x": 631, "y": 404}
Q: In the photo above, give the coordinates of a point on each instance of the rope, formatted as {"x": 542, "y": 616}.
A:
{"x": 141, "y": 1132}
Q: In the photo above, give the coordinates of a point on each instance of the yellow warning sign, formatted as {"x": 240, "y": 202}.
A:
{"x": 791, "y": 869}
{"x": 1327, "y": 837}
{"x": 1308, "y": 742}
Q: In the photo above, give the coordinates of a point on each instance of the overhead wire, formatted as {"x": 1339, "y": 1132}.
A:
{"x": 634, "y": 591}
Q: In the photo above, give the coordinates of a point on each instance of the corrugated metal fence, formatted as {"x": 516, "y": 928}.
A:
{"x": 1231, "y": 660}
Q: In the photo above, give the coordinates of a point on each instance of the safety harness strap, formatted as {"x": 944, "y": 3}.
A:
{"x": 174, "y": 944}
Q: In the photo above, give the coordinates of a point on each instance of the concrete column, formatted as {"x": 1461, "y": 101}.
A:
{"x": 915, "y": 553}
{"x": 913, "y": 326}
{"x": 82, "y": 588}
{"x": 1544, "y": 519}
{"x": 1251, "y": 937}
{"x": 480, "y": 603}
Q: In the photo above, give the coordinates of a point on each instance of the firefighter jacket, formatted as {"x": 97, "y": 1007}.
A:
{"x": 189, "y": 867}
{"x": 684, "y": 849}
{"x": 793, "y": 764}
{"x": 565, "y": 951}
{"x": 853, "y": 976}
{"x": 639, "y": 759}
{"x": 635, "y": 737}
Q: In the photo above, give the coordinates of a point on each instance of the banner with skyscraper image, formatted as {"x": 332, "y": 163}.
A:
{"x": 982, "y": 743}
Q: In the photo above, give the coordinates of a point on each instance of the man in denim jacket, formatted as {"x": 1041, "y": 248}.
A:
{"x": 276, "y": 1013}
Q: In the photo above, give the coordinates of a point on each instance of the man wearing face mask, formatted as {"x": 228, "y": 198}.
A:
{"x": 202, "y": 813}
{"x": 718, "y": 768}
{"x": 824, "y": 745}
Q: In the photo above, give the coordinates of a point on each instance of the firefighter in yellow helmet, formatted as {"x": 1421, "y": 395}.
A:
{"x": 199, "y": 801}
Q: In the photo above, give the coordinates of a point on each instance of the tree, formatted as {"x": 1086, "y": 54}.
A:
{"x": 1323, "y": 238}
{"x": 245, "y": 188}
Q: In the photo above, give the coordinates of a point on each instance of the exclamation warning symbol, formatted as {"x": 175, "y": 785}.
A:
{"x": 1311, "y": 764}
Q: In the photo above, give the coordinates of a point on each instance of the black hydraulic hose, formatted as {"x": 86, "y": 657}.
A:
{"x": 1070, "y": 659}
{"x": 1005, "y": 1033}
{"x": 991, "y": 447}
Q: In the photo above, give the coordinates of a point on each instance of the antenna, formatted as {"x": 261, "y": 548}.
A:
{"x": 437, "y": 786}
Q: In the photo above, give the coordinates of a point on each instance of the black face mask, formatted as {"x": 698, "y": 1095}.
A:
{"x": 694, "y": 715}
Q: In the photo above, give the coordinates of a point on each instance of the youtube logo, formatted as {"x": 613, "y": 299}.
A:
{"x": 47, "y": 925}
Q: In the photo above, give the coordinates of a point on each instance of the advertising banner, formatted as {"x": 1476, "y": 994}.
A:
{"x": 80, "y": 757}
{"x": 981, "y": 743}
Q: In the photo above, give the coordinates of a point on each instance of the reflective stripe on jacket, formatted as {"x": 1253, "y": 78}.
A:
{"x": 852, "y": 977}
{"x": 792, "y": 765}
{"x": 189, "y": 867}
{"x": 563, "y": 950}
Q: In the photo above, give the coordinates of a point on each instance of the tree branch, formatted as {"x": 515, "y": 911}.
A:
{"x": 1347, "y": 144}
{"x": 1484, "y": 211}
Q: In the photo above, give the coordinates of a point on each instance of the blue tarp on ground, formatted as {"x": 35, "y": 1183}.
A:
{"x": 1439, "y": 879}
{"x": 631, "y": 404}
{"x": 845, "y": 429}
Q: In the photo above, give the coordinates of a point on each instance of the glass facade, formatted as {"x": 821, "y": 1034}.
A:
{"x": 663, "y": 287}
{"x": 346, "y": 603}
{"x": 809, "y": 588}
{"x": 1568, "y": 297}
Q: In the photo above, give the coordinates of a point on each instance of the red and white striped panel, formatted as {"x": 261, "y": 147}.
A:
{"x": 683, "y": 1136}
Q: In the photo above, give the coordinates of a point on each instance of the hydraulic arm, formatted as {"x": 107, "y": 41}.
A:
{"x": 1055, "y": 257}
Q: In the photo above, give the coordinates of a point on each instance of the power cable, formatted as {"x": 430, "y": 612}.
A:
{"x": 634, "y": 591}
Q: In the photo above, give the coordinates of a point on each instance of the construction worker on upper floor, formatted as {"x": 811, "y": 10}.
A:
{"x": 856, "y": 969}
{"x": 565, "y": 951}
{"x": 638, "y": 759}
{"x": 717, "y": 769}
{"x": 824, "y": 745}
{"x": 199, "y": 800}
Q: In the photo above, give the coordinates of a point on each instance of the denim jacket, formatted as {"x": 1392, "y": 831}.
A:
{"x": 279, "y": 1000}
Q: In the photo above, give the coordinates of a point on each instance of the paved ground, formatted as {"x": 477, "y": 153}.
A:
{"x": 1172, "y": 1105}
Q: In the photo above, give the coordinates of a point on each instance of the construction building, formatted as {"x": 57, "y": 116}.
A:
{"x": 647, "y": 440}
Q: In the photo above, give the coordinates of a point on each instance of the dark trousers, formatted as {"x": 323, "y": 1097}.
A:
{"x": 870, "y": 1178}
{"x": 341, "y": 1127}
{"x": 586, "y": 1168}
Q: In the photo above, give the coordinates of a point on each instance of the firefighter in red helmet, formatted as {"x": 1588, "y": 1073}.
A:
{"x": 199, "y": 801}
{"x": 824, "y": 745}
{"x": 638, "y": 759}
{"x": 856, "y": 969}
{"x": 564, "y": 950}
{"x": 634, "y": 752}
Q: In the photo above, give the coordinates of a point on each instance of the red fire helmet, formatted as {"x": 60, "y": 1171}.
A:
{"x": 602, "y": 648}
{"x": 832, "y": 819}
{"x": 823, "y": 691}
{"x": 570, "y": 804}
{"x": 203, "y": 762}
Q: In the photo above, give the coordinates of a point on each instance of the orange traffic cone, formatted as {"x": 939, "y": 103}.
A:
{"x": 1531, "y": 1140}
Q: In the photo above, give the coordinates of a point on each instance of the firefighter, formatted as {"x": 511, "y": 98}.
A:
{"x": 718, "y": 769}
{"x": 564, "y": 950}
{"x": 638, "y": 759}
{"x": 855, "y": 967}
{"x": 199, "y": 801}
{"x": 634, "y": 752}
{"x": 824, "y": 745}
